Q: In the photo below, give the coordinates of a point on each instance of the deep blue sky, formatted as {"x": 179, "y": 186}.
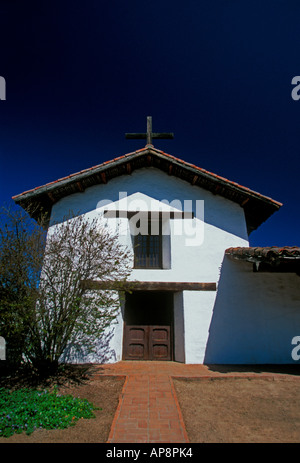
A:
{"x": 217, "y": 73}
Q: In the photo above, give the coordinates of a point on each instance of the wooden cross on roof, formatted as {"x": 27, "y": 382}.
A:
{"x": 149, "y": 135}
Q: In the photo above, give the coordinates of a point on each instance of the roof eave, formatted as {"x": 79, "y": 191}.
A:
{"x": 258, "y": 208}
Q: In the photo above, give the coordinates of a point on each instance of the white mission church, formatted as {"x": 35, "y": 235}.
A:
{"x": 201, "y": 294}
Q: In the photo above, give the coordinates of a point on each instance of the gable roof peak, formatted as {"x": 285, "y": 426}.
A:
{"x": 257, "y": 207}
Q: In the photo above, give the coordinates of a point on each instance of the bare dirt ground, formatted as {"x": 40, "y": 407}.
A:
{"x": 240, "y": 410}
{"x": 215, "y": 410}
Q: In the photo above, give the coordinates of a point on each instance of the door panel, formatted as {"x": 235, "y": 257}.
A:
{"x": 136, "y": 342}
{"x": 146, "y": 342}
{"x": 159, "y": 343}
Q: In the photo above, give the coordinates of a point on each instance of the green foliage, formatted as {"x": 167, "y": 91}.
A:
{"x": 27, "y": 410}
{"x": 22, "y": 244}
{"x": 46, "y": 313}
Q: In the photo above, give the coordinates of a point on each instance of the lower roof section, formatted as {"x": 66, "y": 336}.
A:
{"x": 269, "y": 259}
{"x": 253, "y": 254}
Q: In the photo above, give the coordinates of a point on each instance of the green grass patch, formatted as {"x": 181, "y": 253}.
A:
{"x": 28, "y": 409}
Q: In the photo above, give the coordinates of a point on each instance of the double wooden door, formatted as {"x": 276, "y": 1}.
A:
{"x": 147, "y": 342}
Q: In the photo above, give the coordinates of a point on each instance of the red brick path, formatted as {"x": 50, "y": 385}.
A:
{"x": 148, "y": 409}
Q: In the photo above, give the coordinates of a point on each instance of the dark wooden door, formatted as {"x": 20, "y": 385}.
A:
{"x": 159, "y": 343}
{"x": 147, "y": 342}
{"x": 136, "y": 342}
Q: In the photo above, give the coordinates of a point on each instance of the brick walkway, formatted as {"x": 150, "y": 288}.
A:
{"x": 148, "y": 409}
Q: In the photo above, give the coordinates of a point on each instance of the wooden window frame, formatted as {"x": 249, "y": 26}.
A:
{"x": 147, "y": 265}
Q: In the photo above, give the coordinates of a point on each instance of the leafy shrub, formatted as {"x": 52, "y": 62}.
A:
{"x": 27, "y": 410}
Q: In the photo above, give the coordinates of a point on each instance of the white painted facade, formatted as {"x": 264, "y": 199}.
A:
{"x": 248, "y": 319}
{"x": 255, "y": 318}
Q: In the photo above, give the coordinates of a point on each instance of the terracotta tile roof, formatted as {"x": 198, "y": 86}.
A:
{"x": 257, "y": 206}
{"x": 265, "y": 254}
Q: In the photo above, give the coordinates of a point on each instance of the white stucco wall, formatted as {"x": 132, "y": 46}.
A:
{"x": 198, "y": 308}
{"x": 191, "y": 260}
{"x": 255, "y": 316}
{"x": 224, "y": 222}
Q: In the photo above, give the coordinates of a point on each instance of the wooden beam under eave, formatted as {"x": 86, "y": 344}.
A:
{"x": 128, "y": 168}
{"x": 245, "y": 202}
{"x": 103, "y": 177}
{"x": 80, "y": 187}
{"x": 216, "y": 189}
{"x": 170, "y": 169}
{"x": 194, "y": 180}
{"x": 149, "y": 160}
{"x": 51, "y": 197}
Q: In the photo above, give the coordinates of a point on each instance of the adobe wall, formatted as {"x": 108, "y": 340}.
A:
{"x": 193, "y": 251}
{"x": 255, "y": 316}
